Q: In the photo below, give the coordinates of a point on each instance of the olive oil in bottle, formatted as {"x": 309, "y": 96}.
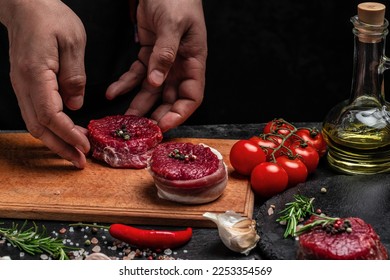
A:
{"x": 357, "y": 130}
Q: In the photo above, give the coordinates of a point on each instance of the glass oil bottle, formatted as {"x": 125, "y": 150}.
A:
{"x": 357, "y": 130}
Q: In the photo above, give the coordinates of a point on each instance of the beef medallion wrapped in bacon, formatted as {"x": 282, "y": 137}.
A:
{"x": 188, "y": 173}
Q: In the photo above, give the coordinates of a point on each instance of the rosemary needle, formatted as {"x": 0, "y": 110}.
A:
{"x": 33, "y": 242}
{"x": 294, "y": 212}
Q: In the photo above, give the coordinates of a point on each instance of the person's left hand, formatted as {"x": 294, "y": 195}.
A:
{"x": 171, "y": 63}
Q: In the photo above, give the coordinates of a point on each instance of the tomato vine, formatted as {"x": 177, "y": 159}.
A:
{"x": 295, "y": 150}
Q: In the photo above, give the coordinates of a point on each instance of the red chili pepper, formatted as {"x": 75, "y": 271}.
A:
{"x": 147, "y": 238}
{"x": 150, "y": 238}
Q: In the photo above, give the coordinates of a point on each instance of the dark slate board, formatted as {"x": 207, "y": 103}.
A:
{"x": 367, "y": 197}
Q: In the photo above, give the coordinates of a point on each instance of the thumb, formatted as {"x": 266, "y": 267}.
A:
{"x": 162, "y": 58}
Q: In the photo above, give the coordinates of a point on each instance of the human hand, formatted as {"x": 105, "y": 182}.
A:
{"x": 47, "y": 43}
{"x": 173, "y": 56}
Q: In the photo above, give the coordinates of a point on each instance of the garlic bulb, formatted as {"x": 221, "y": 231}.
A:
{"x": 236, "y": 232}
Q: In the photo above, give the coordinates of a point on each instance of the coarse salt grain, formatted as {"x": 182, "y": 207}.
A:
{"x": 96, "y": 249}
{"x": 94, "y": 241}
{"x": 168, "y": 251}
{"x": 76, "y": 253}
{"x": 131, "y": 255}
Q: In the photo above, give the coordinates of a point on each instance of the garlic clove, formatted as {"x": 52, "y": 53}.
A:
{"x": 236, "y": 232}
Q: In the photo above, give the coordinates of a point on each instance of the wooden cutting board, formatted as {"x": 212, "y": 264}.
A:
{"x": 37, "y": 184}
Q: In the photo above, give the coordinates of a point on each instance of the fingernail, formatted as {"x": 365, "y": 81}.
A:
{"x": 156, "y": 77}
{"x": 82, "y": 149}
{"x": 75, "y": 102}
{"x": 76, "y": 164}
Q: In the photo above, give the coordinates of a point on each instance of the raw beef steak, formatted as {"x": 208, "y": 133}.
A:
{"x": 360, "y": 243}
{"x": 188, "y": 173}
{"x": 123, "y": 141}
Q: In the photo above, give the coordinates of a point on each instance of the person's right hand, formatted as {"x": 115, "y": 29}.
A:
{"x": 47, "y": 45}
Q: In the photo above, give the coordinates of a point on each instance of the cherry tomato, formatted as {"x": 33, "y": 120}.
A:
{"x": 245, "y": 155}
{"x": 271, "y": 144}
{"x": 295, "y": 168}
{"x": 307, "y": 154}
{"x": 278, "y": 126}
{"x": 268, "y": 179}
{"x": 268, "y": 145}
{"x": 315, "y": 138}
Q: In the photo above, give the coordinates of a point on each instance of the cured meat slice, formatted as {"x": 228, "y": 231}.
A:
{"x": 123, "y": 141}
{"x": 361, "y": 242}
{"x": 188, "y": 173}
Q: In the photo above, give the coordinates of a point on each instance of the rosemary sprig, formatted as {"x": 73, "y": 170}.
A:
{"x": 294, "y": 212}
{"x": 33, "y": 242}
{"x": 322, "y": 221}
{"x": 331, "y": 225}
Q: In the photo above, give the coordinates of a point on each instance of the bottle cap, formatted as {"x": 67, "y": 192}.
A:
{"x": 371, "y": 13}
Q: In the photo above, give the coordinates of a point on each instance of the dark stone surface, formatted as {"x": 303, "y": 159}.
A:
{"x": 365, "y": 197}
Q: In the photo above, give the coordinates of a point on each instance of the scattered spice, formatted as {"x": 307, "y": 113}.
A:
{"x": 122, "y": 133}
{"x": 177, "y": 154}
{"x": 94, "y": 241}
{"x": 96, "y": 249}
{"x": 271, "y": 210}
{"x": 146, "y": 238}
{"x": 113, "y": 248}
{"x": 329, "y": 224}
{"x": 34, "y": 241}
{"x": 302, "y": 206}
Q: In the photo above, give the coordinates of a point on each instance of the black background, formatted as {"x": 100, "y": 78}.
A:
{"x": 267, "y": 59}
{"x": 280, "y": 58}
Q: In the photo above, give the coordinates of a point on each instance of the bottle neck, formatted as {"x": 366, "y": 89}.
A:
{"x": 369, "y": 46}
